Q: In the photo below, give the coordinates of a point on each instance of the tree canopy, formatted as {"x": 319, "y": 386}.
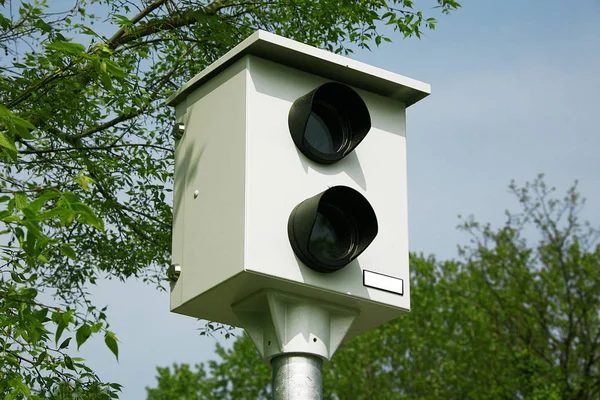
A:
{"x": 515, "y": 317}
{"x": 86, "y": 153}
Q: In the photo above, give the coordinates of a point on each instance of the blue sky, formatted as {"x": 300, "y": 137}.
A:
{"x": 515, "y": 92}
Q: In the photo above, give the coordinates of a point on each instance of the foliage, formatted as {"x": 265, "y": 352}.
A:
{"x": 241, "y": 375}
{"x": 86, "y": 153}
{"x": 515, "y": 318}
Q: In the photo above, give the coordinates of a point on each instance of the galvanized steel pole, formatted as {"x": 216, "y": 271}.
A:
{"x": 297, "y": 376}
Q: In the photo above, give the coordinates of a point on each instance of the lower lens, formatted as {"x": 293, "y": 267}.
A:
{"x": 325, "y": 130}
{"x": 333, "y": 235}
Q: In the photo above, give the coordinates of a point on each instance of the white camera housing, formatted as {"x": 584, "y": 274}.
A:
{"x": 238, "y": 175}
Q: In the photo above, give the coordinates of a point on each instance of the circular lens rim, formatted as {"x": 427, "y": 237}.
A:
{"x": 353, "y": 235}
{"x": 354, "y": 206}
{"x": 329, "y": 114}
{"x": 350, "y": 109}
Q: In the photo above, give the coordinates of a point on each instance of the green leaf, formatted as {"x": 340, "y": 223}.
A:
{"x": 87, "y": 215}
{"x": 29, "y": 293}
{"x": 106, "y": 82}
{"x": 29, "y": 246}
{"x": 43, "y": 26}
{"x": 69, "y": 363}
{"x": 16, "y": 125}
{"x": 114, "y": 69}
{"x": 67, "y": 47}
{"x": 21, "y": 122}
{"x": 122, "y": 20}
{"x": 29, "y": 214}
{"x": 12, "y": 395}
{"x": 16, "y": 277}
{"x": 82, "y": 334}
{"x": 24, "y": 133}
{"x": 20, "y": 200}
{"x": 68, "y": 252}
{"x": 86, "y": 30}
{"x": 7, "y": 142}
{"x": 41, "y": 358}
{"x": 67, "y": 317}
{"x": 59, "y": 331}
{"x": 111, "y": 342}
{"x": 55, "y": 212}
{"x": 44, "y": 197}
{"x": 84, "y": 180}
{"x": 65, "y": 343}
{"x": 4, "y": 111}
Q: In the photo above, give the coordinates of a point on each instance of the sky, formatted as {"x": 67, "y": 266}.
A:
{"x": 515, "y": 92}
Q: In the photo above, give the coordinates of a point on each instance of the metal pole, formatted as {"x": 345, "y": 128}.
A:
{"x": 297, "y": 377}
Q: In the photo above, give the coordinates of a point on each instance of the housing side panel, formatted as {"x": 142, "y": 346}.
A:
{"x": 214, "y": 156}
{"x": 178, "y": 207}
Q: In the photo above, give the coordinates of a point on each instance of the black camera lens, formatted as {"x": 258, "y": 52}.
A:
{"x": 325, "y": 129}
{"x": 333, "y": 235}
{"x": 329, "y": 230}
{"x": 327, "y": 123}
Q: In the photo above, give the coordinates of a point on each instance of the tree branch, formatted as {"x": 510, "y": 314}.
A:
{"x": 113, "y": 146}
{"x": 121, "y": 32}
{"x": 167, "y": 23}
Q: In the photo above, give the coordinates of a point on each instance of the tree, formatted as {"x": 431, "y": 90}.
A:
{"x": 86, "y": 153}
{"x": 515, "y": 317}
{"x": 241, "y": 375}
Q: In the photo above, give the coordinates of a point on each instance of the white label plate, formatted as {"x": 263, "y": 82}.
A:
{"x": 383, "y": 282}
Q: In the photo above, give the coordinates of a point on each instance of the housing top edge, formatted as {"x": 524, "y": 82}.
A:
{"x": 312, "y": 60}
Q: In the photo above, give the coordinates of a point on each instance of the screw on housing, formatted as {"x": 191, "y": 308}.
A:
{"x": 174, "y": 272}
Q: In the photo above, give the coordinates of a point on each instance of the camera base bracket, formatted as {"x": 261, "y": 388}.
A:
{"x": 283, "y": 323}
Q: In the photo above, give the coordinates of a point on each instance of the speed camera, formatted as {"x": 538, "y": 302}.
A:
{"x": 290, "y": 175}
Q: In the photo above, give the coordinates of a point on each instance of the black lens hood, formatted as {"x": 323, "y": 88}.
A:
{"x": 353, "y": 205}
{"x": 347, "y": 104}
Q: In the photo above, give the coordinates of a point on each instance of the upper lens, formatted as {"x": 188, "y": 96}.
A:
{"x": 333, "y": 235}
{"x": 325, "y": 130}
